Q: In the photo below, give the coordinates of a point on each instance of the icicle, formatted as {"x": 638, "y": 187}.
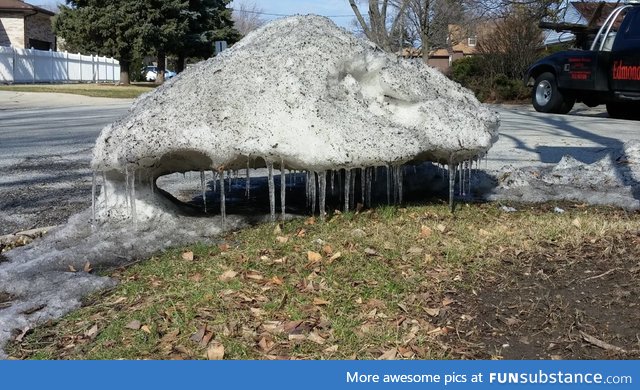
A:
{"x": 369, "y": 185}
{"x": 308, "y": 189}
{"x": 452, "y": 183}
{"x": 375, "y": 174}
{"x": 133, "y": 200}
{"x": 352, "y": 191}
{"x": 215, "y": 180}
{"x": 272, "y": 192}
{"x": 347, "y": 187}
{"x": 331, "y": 174}
{"x": 322, "y": 180}
{"x": 341, "y": 185}
{"x": 229, "y": 184}
{"x": 223, "y": 200}
{"x": 388, "y": 184}
{"x": 313, "y": 193}
{"x": 104, "y": 191}
{"x": 203, "y": 187}
{"x": 400, "y": 183}
{"x": 247, "y": 182}
{"x": 283, "y": 188}
{"x": 93, "y": 199}
{"x": 126, "y": 184}
{"x": 363, "y": 185}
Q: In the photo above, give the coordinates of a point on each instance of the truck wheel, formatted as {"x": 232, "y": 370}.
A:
{"x": 623, "y": 110}
{"x": 546, "y": 96}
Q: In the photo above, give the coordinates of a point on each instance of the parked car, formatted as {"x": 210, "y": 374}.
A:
{"x": 150, "y": 73}
{"x": 607, "y": 73}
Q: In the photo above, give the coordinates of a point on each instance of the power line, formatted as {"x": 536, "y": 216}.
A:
{"x": 270, "y": 14}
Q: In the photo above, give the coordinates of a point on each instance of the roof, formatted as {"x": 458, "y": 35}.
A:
{"x": 587, "y": 10}
{"x": 21, "y": 6}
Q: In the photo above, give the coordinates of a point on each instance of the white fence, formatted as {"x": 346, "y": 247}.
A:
{"x": 38, "y": 66}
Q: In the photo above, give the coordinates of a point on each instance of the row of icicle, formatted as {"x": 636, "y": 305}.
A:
{"x": 317, "y": 184}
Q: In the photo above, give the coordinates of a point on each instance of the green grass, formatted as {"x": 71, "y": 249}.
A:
{"x": 94, "y": 90}
{"x": 378, "y": 295}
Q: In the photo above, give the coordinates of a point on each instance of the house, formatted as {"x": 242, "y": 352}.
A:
{"x": 23, "y": 25}
{"x": 580, "y": 13}
{"x": 462, "y": 43}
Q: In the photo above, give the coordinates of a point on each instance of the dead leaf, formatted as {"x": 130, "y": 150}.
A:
{"x": 389, "y": 355}
{"x": 301, "y": 233}
{"x": 511, "y": 321}
{"x": 316, "y": 338}
{"x": 314, "y": 257}
{"x": 370, "y": 252}
{"x": 87, "y": 267}
{"x": 92, "y": 332}
{"x": 577, "y": 222}
{"x": 215, "y": 351}
{"x": 333, "y": 348}
{"x": 335, "y": 257}
{"x": 145, "y": 329}
{"x": 277, "y": 281}
{"x": 484, "y": 233}
{"x": 227, "y": 275}
{"x": 72, "y": 269}
{"x": 297, "y": 337}
{"x": 310, "y": 221}
{"x": 442, "y": 228}
{"x": 170, "y": 337}
{"x": 199, "y": 335}
{"x": 282, "y": 239}
{"x": 224, "y": 247}
{"x": 414, "y": 250}
{"x": 447, "y": 301}
{"x": 134, "y": 325}
{"x": 433, "y": 312}
{"x": 277, "y": 229}
{"x": 23, "y": 333}
{"x": 187, "y": 256}
{"x": 425, "y": 231}
{"x": 320, "y": 302}
{"x": 328, "y": 250}
{"x": 254, "y": 275}
{"x": 266, "y": 344}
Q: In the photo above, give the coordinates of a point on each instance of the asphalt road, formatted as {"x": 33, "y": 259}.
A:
{"x": 46, "y": 142}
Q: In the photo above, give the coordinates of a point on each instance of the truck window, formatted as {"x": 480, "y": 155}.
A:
{"x": 633, "y": 31}
{"x": 609, "y": 35}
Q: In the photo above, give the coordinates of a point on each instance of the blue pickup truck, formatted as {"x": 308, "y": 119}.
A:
{"x": 607, "y": 72}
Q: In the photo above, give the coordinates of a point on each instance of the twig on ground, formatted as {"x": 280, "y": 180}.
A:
{"x": 601, "y": 344}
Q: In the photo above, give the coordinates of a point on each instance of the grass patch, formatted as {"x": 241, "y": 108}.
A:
{"x": 389, "y": 282}
{"x": 93, "y": 90}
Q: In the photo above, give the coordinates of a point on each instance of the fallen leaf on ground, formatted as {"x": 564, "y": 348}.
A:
{"x": 414, "y": 250}
{"x": 577, "y": 222}
{"x": 335, "y": 257}
{"x": 425, "y": 231}
{"x": 314, "y": 257}
{"x": 72, "y": 269}
{"x": 277, "y": 229}
{"x": 316, "y": 338}
{"x": 87, "y": 267}
{"x": 433, "y": 312}
{"x": 389, "y": 355}
{"x": 442, "y": 228}
{"x": 227, "y": 275}
{"x": 215, "y": 351}
{"x": 187, "y": 256}
{"x": 310, "y": 221}
{"x": 282, "y": 239}
{"x": 92, "y": 332}
{"x": 370, "y": 252}
{"x": 320, "y": 302}
{"x": 333, "y": 348}
{"x": 224, "y": 247}
{"x": 135, "y": 325}
{"x": 22, "y": 334}
{"x": 145, "y": 329}
{"x": 328, "y": 250}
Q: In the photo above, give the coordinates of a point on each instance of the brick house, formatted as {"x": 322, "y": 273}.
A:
{"x": 23, "y": 25}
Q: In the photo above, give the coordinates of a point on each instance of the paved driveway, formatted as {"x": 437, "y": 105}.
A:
{"x": 46, "y": 142}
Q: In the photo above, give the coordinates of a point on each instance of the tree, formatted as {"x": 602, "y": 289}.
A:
{"x": 246, "y": 17}
{"x": 206, "y": 21}
{"x": 110, "y": 28}
{"x": 384, "y": 26}
{"x": 168, "y": 29}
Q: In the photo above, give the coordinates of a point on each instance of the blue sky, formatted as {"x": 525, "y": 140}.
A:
{"x": 285, "y": 7}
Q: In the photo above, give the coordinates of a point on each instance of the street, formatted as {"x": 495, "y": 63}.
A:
{"x": 46, "y": 142}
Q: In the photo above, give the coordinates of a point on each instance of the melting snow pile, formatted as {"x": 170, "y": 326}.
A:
{"x": 614, "y": 180}
{"x": 299, "y": 95}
